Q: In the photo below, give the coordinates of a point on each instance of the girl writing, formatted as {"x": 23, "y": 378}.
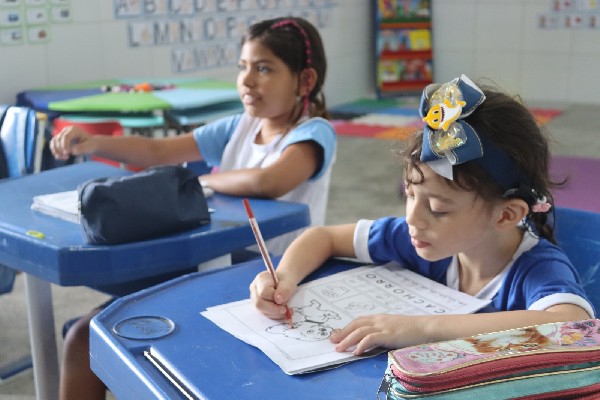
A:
{"x": 281, "y": 147}
{"x": 477, "y": 207}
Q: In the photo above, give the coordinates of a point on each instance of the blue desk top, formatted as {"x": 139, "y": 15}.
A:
{"x": 63, "y": 257}
{"x": 213, "y": 363}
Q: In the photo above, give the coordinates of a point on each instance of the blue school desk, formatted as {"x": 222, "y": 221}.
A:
{"x": 50, "y": 250}
{"x": 176, "y": 94}
{"x": 211, "y": 363}
{"x": 170, "y": 100}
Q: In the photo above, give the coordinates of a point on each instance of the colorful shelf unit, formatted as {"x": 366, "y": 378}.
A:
{"x": 404, "y": 58}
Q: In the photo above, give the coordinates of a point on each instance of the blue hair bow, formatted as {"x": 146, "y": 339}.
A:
{"x": 447, "y": 139}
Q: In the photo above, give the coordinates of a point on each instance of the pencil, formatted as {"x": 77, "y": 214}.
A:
{"x": 263, "y": 251}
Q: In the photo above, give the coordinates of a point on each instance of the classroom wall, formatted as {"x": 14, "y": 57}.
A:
{"x": 497, "y": 39}
{"x": 93, "y": 40}
{"x": 503, "y": 40}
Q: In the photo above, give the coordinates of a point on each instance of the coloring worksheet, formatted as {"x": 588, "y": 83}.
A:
{"x": 329, "y": 303}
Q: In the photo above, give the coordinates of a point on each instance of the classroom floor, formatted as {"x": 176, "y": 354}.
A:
{"x": 365, "y": 184}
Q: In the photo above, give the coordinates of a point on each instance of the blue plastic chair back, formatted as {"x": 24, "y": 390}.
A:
{"x": 18, "y": 137}
{"x": 578, "y": 234}
{"x": 18, "y": 134}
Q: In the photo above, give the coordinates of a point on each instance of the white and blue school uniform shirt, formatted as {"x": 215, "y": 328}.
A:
{"x": 229, "y": 144}
{"x": 539, "y": 275}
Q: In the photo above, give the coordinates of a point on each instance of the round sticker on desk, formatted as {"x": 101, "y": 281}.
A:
{"x": 144, "y": 327}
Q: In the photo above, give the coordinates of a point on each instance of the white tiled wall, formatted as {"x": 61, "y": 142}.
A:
{"x": 500, "y": 40}
{"x": 94, "y": 46}
{"x": 350, "y": 53}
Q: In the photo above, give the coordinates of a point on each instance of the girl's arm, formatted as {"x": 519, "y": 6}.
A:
{"x": 296, "y": 164}
{"x": 137, "y": 150}
{"x": 308, "y": 252}
{"x": 396, "y": 331}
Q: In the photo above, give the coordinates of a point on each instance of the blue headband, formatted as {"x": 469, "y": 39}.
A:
{"x": 448, "y": 140}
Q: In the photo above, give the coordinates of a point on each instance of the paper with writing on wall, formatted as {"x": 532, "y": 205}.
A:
{"x": 329, "y": 303}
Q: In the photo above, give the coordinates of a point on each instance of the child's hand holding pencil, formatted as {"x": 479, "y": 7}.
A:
{"x": 264, "y": 289}
{"x": 271, "y": 301}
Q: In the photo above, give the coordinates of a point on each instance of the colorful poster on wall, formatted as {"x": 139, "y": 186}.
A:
{"x": 572, "y": 15}
{"x": 36, "y": 16}
{"x": 11, "y": 36}
{"x": 61, "y": 14}
{"x": 30, "y": 21}
{"x": 37, "y": 34}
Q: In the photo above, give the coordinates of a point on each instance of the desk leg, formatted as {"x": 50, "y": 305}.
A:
{"x": 42, "y": 337}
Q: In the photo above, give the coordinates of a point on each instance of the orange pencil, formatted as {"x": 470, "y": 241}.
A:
{"x": 263, "y": 251}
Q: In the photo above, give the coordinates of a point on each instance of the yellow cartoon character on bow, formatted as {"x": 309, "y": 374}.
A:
{"x": 443, "y": 114}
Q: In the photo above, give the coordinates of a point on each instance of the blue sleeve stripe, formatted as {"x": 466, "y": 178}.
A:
{"x": 212, "y": 138}
{"x": 318, "y": 130}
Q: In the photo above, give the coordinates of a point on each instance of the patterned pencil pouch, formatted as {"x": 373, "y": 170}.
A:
{"x": 549, "y": 361}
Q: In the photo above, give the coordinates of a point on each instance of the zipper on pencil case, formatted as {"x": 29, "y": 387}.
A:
{"x": 502, "y": 362}
{"x": 589, "y": 392}
{"x": 399, "y": 391}
{"x": 499, "y": 368}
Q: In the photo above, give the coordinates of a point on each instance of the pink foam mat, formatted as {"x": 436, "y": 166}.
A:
{"x": 582, "y": 190}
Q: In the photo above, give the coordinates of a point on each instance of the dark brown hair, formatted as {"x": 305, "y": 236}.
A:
{"x": 512, "y": 128}
{"x": 288, "y": 44}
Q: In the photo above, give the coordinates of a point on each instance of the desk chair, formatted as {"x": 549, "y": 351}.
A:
{"x": 107, "y": 128}
{"x": 21, "y": 143}
{"x": 578, "y": 234}
{"x": 20, "y": 128}
{"x": 20, "y": 154}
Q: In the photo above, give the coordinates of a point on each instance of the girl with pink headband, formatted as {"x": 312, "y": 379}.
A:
{"x": 282, "y": 147}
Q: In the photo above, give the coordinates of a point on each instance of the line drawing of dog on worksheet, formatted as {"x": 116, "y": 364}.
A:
{"x": 310, "y": 323}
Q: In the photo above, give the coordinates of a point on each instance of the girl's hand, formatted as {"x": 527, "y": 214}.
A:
{"x": 381, "y": 330}
{"x": 268, "y": 300}
{"x": 72, "y": 140}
